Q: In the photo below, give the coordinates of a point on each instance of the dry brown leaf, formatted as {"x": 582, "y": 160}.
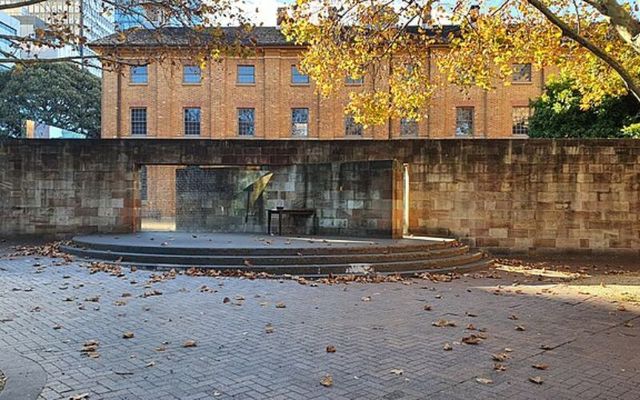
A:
{"x": 484, "y": 381}
{"x": 520, "y": 328}
{"x": 281, "y": 305}
{"x": 540, "y": 366}
{"x": 499, "y": 367}
{"x": 536, "y": 379}
{"x": 500, "y": 357}
{"x": 365, "y": 298}
{"x": 269, "y": 328}
{"x": 326, "y": 381}
{"x": 331, "y": 349}
{"x": 190, "y": 343}
{"x": 472, "y": 339}
{"x": 128, "y": 335}
{"x": 427, "y": 307}
{"x": 397, "y": 371}
{"x": 441, "y": 323}
{"x": 447, "y": 347}
{"x": 82, "y": 396}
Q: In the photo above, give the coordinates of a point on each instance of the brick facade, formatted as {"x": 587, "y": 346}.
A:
{"x": 274, "y": 95}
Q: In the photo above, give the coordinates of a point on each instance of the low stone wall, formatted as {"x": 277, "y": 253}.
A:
{"x": 523, "y": 195}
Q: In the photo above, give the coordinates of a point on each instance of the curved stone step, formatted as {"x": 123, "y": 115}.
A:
{"x": 276, "y": 259}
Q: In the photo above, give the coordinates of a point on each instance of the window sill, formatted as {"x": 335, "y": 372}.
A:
{"x": 138, "y": 84}
{"x": 520, "y": 136}
{"x": 138, "y": 135}
{"x": 191, "y": 84}
{"x": 522, "y": 83}
{"x": 354, "y": 84}
{"x": 301, "y": 84}
{"x": 245, "y": 84}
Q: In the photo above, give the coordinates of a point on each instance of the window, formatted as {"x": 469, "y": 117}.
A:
{"x": 192, "y": 121}
{"x": 298, "y": 77}
{"x": 143, "y": 183}
{"x": 354, "y": 81}
{"x": 246, "y": 74}
{"x": 351, "y": 128}
{"x": 464, "y": 121}
{"x": 139, "y": 121}
{"x": 521, "y": 73}
{"x": 191, "y": 74}
{"x": 139, "y": 74}
{"x": 520, "y": 120}
{"x": 408, "y": 127}
{"x": 299, "y": 122}
{"x": 246, "y": 121}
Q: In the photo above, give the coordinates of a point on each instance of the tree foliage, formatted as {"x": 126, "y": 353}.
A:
{"x": 594, "y": 42}
{"x": 60, "y": 94}
{"x": 557, "y": 114}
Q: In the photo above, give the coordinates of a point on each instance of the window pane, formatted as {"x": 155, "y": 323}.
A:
{"x": 246, "y": 74}
{"x": 191, "y": 74}
{"x": 139, "y": 121}
{"x": 354, "y": 81}
{"x": 191, "y": 121}
{"x": 464, "y": 121}
{"x": 143, "y": 183}
{"x": 521, "y": 73}
{"x": 520, "y": 120}
{"x": 300, "y": 122}
{"x": 408, "y": 127}
{"x": 351, "y": 128}
{"x": 246, "y": 121}
{"x": 139, "y": 74}
{"x": 297, "y": 76}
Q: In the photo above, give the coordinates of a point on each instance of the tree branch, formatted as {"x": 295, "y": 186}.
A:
{"x": 10, "y": 6}
{"x": 626, "y": 26}
{"x": 632, "y": 84}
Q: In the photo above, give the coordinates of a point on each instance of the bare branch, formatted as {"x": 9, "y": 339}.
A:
{"x": 25, "y": 3}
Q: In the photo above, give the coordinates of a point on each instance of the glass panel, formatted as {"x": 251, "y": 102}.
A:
{"x": 246, "y": 121}
{"x": 354, "y": 81}
{"x": 246, "y": 74}
{"x": 351, "y": 128}
{"x": 300, "y": 122}
{"x": 520, "y": 120}
{"x": 139, "y": 74}
{"x": 138, "y": 121}
{"x": 298, "y": 77}
{"x": 191, "y": 121}
{"x": 408, "y": 127}
{"x": 521, "y": 73}
{"x": 464, "y": 121}
{"x": 191, "y": 74}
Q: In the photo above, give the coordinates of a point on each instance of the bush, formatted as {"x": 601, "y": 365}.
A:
{"x": 557, "y": 114}
{"x": 632, "y": 131}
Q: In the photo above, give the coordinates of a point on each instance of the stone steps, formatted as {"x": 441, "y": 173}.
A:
{"x": 307, "y": 257}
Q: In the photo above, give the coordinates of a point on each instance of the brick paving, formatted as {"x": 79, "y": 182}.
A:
{"x": 594, "y": 345}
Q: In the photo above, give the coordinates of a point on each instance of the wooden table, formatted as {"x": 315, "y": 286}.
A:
{"x": 305, "y": 212}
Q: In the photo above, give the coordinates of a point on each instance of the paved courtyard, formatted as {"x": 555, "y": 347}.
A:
{"x": 269, "y": 339}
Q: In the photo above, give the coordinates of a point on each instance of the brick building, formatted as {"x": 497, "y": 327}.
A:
{"x": 264, "y": 96}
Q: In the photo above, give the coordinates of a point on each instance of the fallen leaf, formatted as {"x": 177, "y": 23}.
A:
{"x": 366, "y": 298}
{"x": 499, "y": 357}
{"x": 441, "y": 323}
{"x": 520, "y": 328}
{"x": 621, "y": 308}
{"x": 471, "y": 327}
{"x": 540, "y": 366}
{"x": 513, "y": 317}
{"x": 447, "y": 347}
{"x": 150, "y": 364}
{"x": 268, "y": 328}
{"x": 427, "y": 307}
{"x": 536, "y": 379}
{"x": 628, "y": 324}
{"x": 326, "y": 381}
{"x": 484, "y": 381}
{"x": 499, "y": 367}
{"x": 472, "y": 339}
{"x": 226, "y": 300}
{"x": 331, "y": 349}
{"x": 128, "y": 335}
{"x": 83, "y": 396}
{"x": 281, "y": 305}
{"x": 189, "y": 343}
{"x": 397, "y": 371}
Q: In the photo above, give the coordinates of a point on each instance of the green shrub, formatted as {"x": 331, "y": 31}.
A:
{"x": 632, "y": 131}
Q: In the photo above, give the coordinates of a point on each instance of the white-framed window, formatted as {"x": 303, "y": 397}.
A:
{"x": 139, "y": 74}
{"x": 521, "y": 73}
{"x": 297, "y": 77}
{"x": 191, "y": 74}
{"x": 520, "y": 120}
{"x": 246, "y": 121}
{"x": 139, "y": 121}
{"x": 300, "y": 122}
{"x": 351, "y": 127}
{"x": 464, "y": 121}
{"x": 246, "y": 74}
{"x": 192, "y": 121}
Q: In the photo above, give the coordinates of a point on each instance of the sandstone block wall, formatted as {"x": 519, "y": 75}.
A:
{"x": 524, "y": 195}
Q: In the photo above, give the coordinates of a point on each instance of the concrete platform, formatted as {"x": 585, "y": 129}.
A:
{"x": 299, "y": 255}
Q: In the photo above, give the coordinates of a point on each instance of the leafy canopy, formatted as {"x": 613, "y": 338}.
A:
{"x": 557, "y": 114}
{"x": 60, "y": 94}
{"x": 596, "y": 43}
